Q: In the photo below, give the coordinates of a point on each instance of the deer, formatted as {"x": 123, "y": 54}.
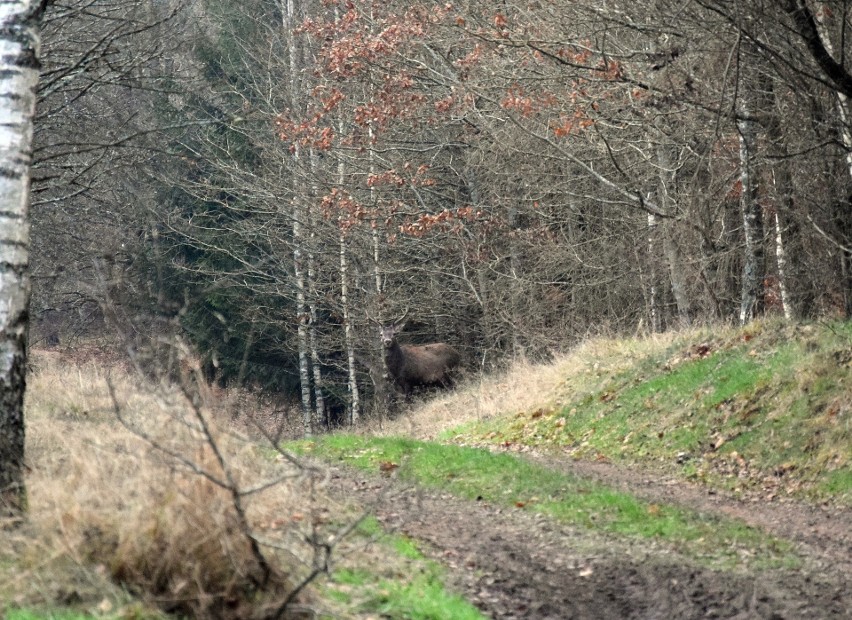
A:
{"x": 414, "y": 366}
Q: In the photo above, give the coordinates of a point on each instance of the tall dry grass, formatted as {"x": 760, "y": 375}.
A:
{"x": 145, "y": 510}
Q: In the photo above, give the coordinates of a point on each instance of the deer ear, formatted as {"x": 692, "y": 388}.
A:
{"x": 398, "y": 327}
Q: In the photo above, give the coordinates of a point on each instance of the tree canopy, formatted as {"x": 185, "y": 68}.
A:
{"x": 519, "y": 176}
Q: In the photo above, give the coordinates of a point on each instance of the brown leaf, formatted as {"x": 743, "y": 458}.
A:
{"x": 386, "y": 467}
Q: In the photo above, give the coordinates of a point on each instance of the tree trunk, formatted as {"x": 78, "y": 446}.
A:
{"x": 374, "y": 222}
{"x": 674, "y": 258}
{"x": 302, "y": 320}
{"x": 313, "y": 219}
{"x": 348, "y": 334}
{"x": 354, "y": 396}
{"x": 844, "y": 215}
{"x": 654, "y": 321}
{"x": 751, "y": 296}
{"x": 677, "y": 276}
{"x": 19, "y": 52}
{"x": 785, "y": 231}
{"x": 781, "y": 260}
{"x": 385, "y": 396}
{"x": 298, "y": 216}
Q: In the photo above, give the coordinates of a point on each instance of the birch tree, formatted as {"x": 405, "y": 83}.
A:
{"x": 19, "y": 64}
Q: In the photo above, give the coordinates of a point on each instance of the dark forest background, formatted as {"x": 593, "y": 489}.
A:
{"x": 256, "y": 181}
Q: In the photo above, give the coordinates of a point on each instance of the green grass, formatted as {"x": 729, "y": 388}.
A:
{"x": 404, "y": 585}
{"x": 507, "y": 480}
{"x": 769, "y": 402}
{"x": 423, "y": 598}
{"x": 402, "y": 545}
{"x": 838, "y": 483}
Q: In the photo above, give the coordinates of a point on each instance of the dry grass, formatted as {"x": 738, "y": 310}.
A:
{"x": 114, "y": 519}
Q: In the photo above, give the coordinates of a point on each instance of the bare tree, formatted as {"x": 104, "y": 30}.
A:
{"x": 19, "y": 61}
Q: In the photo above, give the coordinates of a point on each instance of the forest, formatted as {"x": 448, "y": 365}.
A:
{"x": 261, "y": 181}
{"x": 238, "y": 238}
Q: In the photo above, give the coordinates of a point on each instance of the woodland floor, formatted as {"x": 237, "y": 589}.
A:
{"x": 514, "y": 564}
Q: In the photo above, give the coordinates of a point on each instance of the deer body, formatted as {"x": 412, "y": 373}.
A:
{"x": 414, "y": 366}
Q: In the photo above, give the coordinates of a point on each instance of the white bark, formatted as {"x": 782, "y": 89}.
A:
{"x": 302, "y": 319}
{"x": 374, "y": 224}
{"x": 354, "y": 396}
{"x": 751, "y": 296}
{"x": 653, "y": 302}
{"x": 348, "y": 334}
{"x": 843, "y": 110}
{"x": 302, "y": 314}
{"x": 319, "y": 399}
{"x": 842, "y": 100}
{"x": 781, "y": 259}
{"x": 19, "y": 52}
{"x": 785, "y": 230}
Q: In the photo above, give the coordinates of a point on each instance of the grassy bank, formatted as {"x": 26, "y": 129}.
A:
{"x": 766, "y": 408}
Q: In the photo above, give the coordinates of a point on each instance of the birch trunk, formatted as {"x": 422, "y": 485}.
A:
{"x": 298, "y": 217}
{"x": 354, "y": 396}
{"x": 384, "y": 392}
{"x": 781, "y": 260}
{"x": 842, "y": 101}
{"x": 784, "y": 220}
{"x": 374, "y": 223}
{"x": 302, "y": 318}
{"x": 653, "y": 302}
{"x": 19, "y": 52}
{"x": 319, "y": 399}
{"x": 348, "y": 335}
{"x": 751, "y": 296}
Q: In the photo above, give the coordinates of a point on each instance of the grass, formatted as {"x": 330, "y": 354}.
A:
{"x": 765, "y": 409}
{"x": 96, "y": 549}
{"x": 769, "y": 406}
{"x": 504, "y": 479}
{"x": 115, "y": 524}
{"x": 404, "y": 584}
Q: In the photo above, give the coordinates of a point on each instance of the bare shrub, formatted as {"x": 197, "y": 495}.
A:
{"x": 183, "y": 512}
{"x": 185, "y": 550}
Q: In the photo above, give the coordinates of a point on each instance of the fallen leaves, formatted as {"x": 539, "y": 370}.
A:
{"x": 388, "y": 467}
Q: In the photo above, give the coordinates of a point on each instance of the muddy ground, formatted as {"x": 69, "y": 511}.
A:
{"x": 514, "y": 564}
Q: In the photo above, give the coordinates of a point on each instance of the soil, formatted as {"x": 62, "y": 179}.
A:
{"x": 511, "y": 563}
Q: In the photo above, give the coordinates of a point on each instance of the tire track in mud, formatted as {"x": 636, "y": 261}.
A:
{"x": 513, "y": 564}
{"x": 820, "y": 532}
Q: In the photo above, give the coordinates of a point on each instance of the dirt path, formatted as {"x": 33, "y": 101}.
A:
{"x": 822, "y": 533}
{"x": 513, "y": 564}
